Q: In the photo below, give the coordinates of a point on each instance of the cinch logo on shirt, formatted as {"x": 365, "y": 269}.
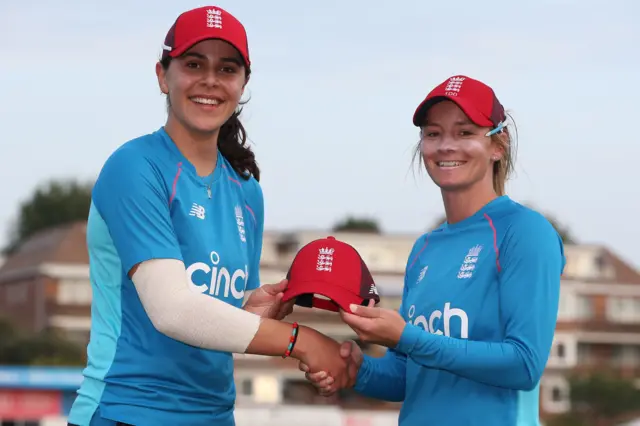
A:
{"x": 437, "y": 317}
{"x": 221, "y": 278}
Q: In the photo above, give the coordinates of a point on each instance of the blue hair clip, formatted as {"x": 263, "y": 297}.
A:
{"x": 498, "y": 129}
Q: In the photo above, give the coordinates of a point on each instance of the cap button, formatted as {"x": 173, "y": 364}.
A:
{"x": 331, "y": 238}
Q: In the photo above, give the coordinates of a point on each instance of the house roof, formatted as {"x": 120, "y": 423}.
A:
{"x": 624, "y": 272}
{"x": 65, "y": 244}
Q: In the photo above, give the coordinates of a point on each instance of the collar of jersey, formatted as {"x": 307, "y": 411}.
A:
{"x": 186, "y": 164}
{"x": 478, "y": 216}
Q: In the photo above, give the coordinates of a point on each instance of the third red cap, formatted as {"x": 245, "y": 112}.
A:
{"x": 476, "y": 99}
{"x": 333, "y": 269}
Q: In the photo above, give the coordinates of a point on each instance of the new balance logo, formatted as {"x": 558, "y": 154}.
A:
{"x": 197, "y": 211}
{"x": 373, "y": 289}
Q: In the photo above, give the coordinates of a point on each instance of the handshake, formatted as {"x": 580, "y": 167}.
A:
{"x": 335, "y": 270}
{"x": 331, "y": 366}
{"x": 346, "y": 369}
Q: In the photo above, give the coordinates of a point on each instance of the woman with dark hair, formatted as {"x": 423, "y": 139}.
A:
{"x": 174, "y": 237}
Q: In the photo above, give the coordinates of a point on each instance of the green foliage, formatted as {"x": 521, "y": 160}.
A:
{"x": 353, "y": 224}
{"x": 8, "y": 339}
{"x": 564, "y": 232}
{"x": 47, "y": 348}
{"x": 568, "y": 419}
{"x": 601, "y": 398}
{"x": 53, "y": 204}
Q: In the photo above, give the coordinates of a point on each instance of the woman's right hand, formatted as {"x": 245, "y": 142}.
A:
{"x": 325, "y": 383}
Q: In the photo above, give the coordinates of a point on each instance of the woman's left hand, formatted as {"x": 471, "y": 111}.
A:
{"x": 375, "y": 325}
{"x": 266, "y": 301}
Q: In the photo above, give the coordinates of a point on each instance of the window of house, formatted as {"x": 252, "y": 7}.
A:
{"x": 584, "y": 353}
{"x": 555, "y": 395}
{"x": 564, "y": 305}
{"x": 623, "y": 309}
{"x": 584, "y": 307}
{"x": 560, "y": 350}
{"x": 563, "y": 351}
{"x": 74, "y": 292}
{"x": 626, "y": 356}
{"x": 246, "y": 387}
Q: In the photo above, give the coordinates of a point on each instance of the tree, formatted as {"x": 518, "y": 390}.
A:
{"x": 562, "y": 230}
{"x": 566, "y": 419}
{"x": 8, "y": 338}
{"x": 55, "y": 203}
{"x": 353, "y": 224}
{"x": 51, "y": 348}
{"x": 599, "y": 399}
{"x": 47, "y": 348}
{"x": 604, "y": 396}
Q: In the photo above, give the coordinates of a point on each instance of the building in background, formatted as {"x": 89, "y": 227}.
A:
{"x": 46, "y": 284}
{"x": 598, "y": 322}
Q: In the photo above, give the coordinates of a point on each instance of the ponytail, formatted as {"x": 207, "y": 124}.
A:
{"x": 503, "y": 168}
{"x": 500, "y": 175}
{"x": 232, "y": 145}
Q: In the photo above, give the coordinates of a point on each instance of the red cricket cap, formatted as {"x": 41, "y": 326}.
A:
{"x": 333, "y": 269}
{"x": 204, "y": 23}
{"x": 476, "y": 99}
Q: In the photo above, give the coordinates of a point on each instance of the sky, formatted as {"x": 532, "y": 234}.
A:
{"x": 332, "y": 93}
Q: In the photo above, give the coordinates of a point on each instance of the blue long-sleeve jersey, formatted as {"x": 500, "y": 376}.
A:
{"x": 149, "y": 203}
{"x": 481, "y": 301}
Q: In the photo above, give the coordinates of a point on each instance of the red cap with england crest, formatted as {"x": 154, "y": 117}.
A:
{"x": 333, "y": 269}
{"x": 478, "y": 101}
{"x": 205, "y": 23}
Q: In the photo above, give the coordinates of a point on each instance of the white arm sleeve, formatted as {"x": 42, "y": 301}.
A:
{"x": 192, "y": 318}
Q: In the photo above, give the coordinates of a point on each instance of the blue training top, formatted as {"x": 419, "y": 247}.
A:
{"x": 481, "y": 301}
{"x": 149, "y": 203}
